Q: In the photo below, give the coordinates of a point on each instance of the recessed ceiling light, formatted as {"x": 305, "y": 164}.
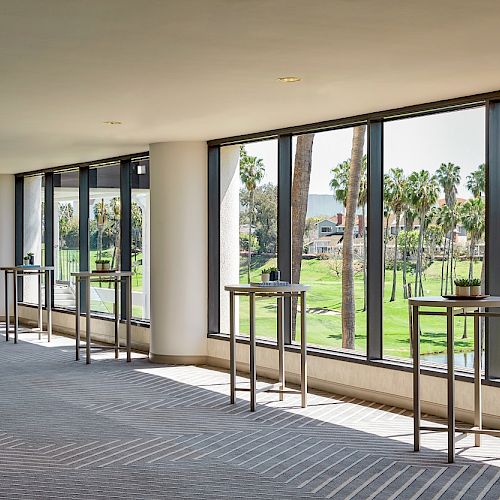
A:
{"x": 289, "y": 79}
{"x": 112, "y": 122}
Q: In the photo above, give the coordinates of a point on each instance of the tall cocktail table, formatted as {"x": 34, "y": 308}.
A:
{"x": 280, "y": 292}
{"x": 17, "y": 271}
{"x": 451, "y": 306}
{"x": 117, "y": 278}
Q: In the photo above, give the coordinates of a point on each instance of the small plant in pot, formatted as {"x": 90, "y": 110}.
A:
{"x": 31, "y": 258}
{"x": 274, "y": 274}
{"x": 462, "y": 287}
{"x": 106, "y": 264}
{"x": 265, "y": 276}
{"x": 98, "y": 264}
{"x": 475, "y": 287}
{"x": 26, "y": 260}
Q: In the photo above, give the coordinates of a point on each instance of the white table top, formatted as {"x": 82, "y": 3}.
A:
{"x": 438, "y": 301}
{"x": 102, "y": 274}
{"x": 265, "y": 289}
{"x": 32, "y": 269}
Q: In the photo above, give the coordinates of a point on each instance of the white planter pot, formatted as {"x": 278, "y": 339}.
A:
{"x": 106, "y": 266}
{"x": 98, "y": 266}
{"x": 475, "y": 290}
{"x": 264, "y": 277}
{"x": 463, "y": 291}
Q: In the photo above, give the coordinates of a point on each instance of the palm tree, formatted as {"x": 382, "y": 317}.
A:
{"x": 352, "y": 200}
{"x": 300, "y": 192}
{"x": 396, "y": 199}
{"x": 476, "y": 181}
{"x": 422, "y": 194}
{"x": 251, "y": 173}
{"x": 410, "y": 216}
{"x": 448, "y": 176}
{"x": 339, "y": 185}
{"x": 446, "y": 217}
{"x": 472, "y": 218}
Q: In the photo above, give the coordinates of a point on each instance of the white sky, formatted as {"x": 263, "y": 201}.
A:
{"x": 411, "y": 144}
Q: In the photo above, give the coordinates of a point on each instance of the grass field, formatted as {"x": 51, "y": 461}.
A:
{"x": 324, "y": 310}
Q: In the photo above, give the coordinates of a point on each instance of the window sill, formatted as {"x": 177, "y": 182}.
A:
{"x": 102, "y": 316}
{"x": 390, "y": 364}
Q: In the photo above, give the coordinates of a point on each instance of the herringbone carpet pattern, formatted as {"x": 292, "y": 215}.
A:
{"x": 118, "y": 430}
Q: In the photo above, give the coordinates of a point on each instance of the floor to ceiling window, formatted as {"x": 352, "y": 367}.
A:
{"x": 140, "y": 239}
{"x": 329, "y": 193}
{"x": 104, "y": 230}
{"x": 66, "y": 236}
{"x": 33, "y": 232}
{"x": 248, "y": 245}
{"x": 434, "y": 197}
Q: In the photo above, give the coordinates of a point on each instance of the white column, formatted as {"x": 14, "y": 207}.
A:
{"x": 7, "y": 209}
{"x": 32, "y": 232}
{"x": 229, "y": 229}
{"x": 178, "y": 173}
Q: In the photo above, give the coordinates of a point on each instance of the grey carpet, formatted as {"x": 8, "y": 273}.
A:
{"x": 118, "y": 430}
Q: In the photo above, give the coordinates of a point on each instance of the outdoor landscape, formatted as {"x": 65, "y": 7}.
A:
{"x": 434, "y": 223}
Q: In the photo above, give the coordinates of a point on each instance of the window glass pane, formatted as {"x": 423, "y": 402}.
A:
{"x": 66, "y": 236}
{"x": 140, "y": 239}
{"x": 434, "y": 224}
{"x": 33, "y": 233}
{"x": 248, "y": 228}
{"x": 328, "y": 236}
{"x": 104, "y": 231}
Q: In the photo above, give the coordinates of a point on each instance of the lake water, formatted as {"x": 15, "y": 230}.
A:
{"x": 461, "y": 359}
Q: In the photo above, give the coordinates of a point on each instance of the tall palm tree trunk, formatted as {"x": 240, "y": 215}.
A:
{"x": 452, "y": 251}
{"x": 365, "y": 289}
{"x": 348, "y": 299}
{"x": 395, "y": 264}
{"x": 471, "y": 256}
{"x": 418, "y": 268}
{"x": 300, "y": 192}
{"x": 249, "y": 254}
{"x": 442, "y": 264}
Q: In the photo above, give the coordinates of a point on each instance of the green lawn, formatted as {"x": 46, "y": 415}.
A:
{"x": 324, "y": 310}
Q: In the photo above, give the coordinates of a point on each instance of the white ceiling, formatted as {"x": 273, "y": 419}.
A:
{"x": 202, "y": 69}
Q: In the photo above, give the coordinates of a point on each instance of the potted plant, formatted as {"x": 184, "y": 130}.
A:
{"x": 265, "y": 275}
{"x": 98, "y": 265}
{"x": 31, "y": 258}
{"x": 26, "y": 260}
{"x": 462, "y": 287}
{"x": 106, "y": 264}
{"x": 274, "y": 274}
{"x": 475, "y": 286}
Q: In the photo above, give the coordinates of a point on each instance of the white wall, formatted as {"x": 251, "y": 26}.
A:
{"x": 7, "y": 217}
{"x": 178, "y": 173}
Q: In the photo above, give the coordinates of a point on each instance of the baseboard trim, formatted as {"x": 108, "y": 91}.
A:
{"x": 173, "y": 359}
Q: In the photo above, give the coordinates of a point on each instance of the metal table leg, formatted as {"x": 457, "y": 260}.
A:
{"x": 281, "y": 348}
{"x": 16, "y": 309}
{"x": 253, "y": 366}
{"x": 40, "y": 318}
{"x": 7, "y": 311}
{"x": 77, "y": 329}
{"x": 129, "y": 317}
{"x": 86, "y": 282}
{"x": 117, "y": 320}
{"x": 232, "y": 349}
{"x": 303, "y": 349}
{"x": 416, "y": 377}
{"x": 478, "y": 415}
{"x": 48, "y": 286}
{"x": 451, "y": 385}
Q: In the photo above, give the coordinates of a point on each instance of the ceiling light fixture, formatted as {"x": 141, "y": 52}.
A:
{"x": 112, "y": 122}
{"x": 289, "y": 79}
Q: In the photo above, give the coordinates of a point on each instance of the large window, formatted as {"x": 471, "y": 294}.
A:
{"x": 110, "y": 237}
{"x": 104, "y": 231}
{"x": 434, "y": 190}
{"x": 329, "y": 194}
{"x": 33, "y": 232}
{"x": 140, "y": 238}
{"x": 66, "y": 236}
{"x": 249, "y": 227}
